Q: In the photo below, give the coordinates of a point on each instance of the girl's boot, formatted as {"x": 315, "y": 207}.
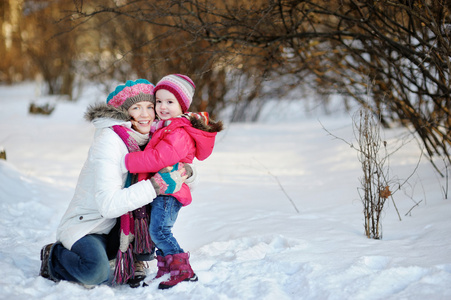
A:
{"x": 180, "y": 270}
{"x": 163, "y": 267}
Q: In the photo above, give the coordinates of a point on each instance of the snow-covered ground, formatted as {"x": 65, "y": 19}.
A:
{"x": 245, "y": 236}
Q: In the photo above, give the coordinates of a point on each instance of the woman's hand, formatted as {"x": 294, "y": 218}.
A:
{"x": 169, "y": 180}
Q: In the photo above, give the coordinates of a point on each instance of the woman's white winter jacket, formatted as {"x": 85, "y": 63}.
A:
{"x": 100, "y": 196}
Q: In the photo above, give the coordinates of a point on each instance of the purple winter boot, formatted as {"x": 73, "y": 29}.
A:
{"x": 180, "y": 270}
{"x": 163, "y": 267}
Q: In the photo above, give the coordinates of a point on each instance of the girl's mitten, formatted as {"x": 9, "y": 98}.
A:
{"x": 168, "y": 182}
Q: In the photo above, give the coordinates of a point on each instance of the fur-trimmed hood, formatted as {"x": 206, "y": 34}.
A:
{"x": 102, "y": 110}
{"x": 211, "y": 127}
{"x": 203, "y": 135}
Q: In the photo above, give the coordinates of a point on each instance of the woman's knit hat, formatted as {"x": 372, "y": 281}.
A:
{"x": 132, "y": 92}
{"x": 181, "y": 86}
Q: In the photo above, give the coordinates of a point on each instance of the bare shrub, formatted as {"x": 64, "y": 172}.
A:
{"x": 377, "y": 184}
{"x": 374, "y": 187}
{"x": 44, "y": 109}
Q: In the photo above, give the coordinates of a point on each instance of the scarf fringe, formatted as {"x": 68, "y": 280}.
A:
{"x": 143, "y": 242}
{"x": 125, "y": 268}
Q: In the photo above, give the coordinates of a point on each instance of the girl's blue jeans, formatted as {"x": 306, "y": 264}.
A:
{"x": 165, "y": 210}
{"x": 87, "y": 262}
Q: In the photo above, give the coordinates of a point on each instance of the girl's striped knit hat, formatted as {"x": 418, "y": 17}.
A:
{"x": 181, "y": 86}
{"x": 130, "y": 93}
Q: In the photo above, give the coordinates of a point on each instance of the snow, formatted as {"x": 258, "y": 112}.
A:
{"x": 246, "y": 238}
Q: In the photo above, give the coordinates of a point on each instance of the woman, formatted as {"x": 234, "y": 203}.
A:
{"x": 104, "y": 191}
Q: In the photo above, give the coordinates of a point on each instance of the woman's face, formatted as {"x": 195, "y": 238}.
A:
{"x": 142, "y": 115}
{"x": 167, "y": 105}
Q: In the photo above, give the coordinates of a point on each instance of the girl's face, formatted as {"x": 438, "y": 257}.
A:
{"x": 167, "y": 105}
{"x": 142, "y": 115}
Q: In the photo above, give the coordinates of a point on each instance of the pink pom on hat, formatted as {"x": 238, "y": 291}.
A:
{"x": 181, "y": 86}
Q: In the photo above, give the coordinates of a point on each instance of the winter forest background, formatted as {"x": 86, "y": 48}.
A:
{"x": 315, "y": 94}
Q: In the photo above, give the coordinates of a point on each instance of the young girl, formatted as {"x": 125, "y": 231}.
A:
{"x": 182, "y": 139}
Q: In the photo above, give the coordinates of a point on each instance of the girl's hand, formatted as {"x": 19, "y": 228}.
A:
{"x": 170, "y": 179}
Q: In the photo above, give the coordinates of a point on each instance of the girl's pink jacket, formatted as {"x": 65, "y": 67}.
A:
{"x": 177, "y": 142}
